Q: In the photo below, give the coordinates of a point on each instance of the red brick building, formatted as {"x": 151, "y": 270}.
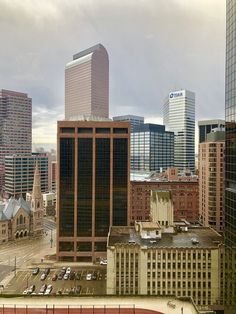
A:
{"x": 184, "y": 193}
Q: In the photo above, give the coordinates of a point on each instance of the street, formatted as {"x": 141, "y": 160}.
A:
{"x": 22, "y": 253}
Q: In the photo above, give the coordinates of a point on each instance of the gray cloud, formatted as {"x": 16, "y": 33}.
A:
{"x": 154, "y": 47}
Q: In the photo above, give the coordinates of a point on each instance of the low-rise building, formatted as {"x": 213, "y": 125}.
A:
{"x": 184, "y": 193}
{"x": 147, "y": 260}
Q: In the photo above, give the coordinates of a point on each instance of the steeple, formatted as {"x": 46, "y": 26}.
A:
{"x": 36, "y": 193}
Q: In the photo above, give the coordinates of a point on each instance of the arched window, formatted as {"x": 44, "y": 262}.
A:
{"x": 21, "y": 219}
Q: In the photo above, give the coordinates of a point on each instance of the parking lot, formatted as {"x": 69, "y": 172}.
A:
{"x": 78, "y": 285}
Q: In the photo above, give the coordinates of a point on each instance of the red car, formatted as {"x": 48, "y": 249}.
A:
{"x": 54, "y": 277}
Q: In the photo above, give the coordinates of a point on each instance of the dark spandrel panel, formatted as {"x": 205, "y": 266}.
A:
{"x": 120, "y": 181}
{"x": 66, "y": 209}
{"x": 120, "y": 130}
{"x": 85, "y": 130}
{"x": 84, "y": 187}
{"x": 102, "y": 187}
{"x": 66, "y": 246}
{"x": 67, "y": 130}
{"x": 103, "y": 130}
{"x": 84, "y": 246}
{"x": 100, "y": 246}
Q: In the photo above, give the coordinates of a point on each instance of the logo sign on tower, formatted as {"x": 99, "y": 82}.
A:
{"x": 176, "y": 94}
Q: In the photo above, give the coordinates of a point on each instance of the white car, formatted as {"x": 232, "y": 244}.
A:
{"x": 68, "y": 270}
{"x": 103, "y": 262}
{"x": 89, "y": 277}
{"x": 48, "y": 290}
{"x": 66, "y": 277}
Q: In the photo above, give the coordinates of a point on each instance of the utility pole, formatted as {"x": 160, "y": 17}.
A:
{"x": 15, "y": 266}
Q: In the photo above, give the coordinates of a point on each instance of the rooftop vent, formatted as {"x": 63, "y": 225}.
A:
{"x": 194, "y": 241}
{"x": 132, "y": 241}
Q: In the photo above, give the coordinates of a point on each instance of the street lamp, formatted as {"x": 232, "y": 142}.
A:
{"x": 51, "y": 240}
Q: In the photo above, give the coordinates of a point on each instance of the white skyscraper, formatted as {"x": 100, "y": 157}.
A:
{"x": 179, "y": 117}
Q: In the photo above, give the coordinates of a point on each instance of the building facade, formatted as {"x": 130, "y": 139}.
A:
{"x": 211, "y": 180}
{"x": 87, "y": 84}
{"x": 230, "y": 158}
{"x": 19, "y": 173}
{"x": 179, "y": 117}
{"x": 145, "y": 260}
{"x": 152, "y": 148}
{"x": 134, "y": 120}
{"x": 15, "y": 126}
{"x": 184, "y": 195}
{"x": 206, "y": 126}
{"x": 92, "y": 186}
{"x": 49, "y": 204}
{"x": 53, "y": 176}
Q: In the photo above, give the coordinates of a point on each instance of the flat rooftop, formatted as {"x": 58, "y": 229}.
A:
{"x": 121, "y": 305}
{"x": 206, "y": 237}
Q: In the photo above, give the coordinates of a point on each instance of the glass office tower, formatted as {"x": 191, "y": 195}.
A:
{"x": 179, "y": 117}
{"x": 230, "y": 156}
{"x": 93, "y": 186}
{"x": 152, "y": 148}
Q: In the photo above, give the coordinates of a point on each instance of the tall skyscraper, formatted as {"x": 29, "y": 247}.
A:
{"x": 230, "y": 156}
{"x": 15, "y": 126}
{"x": 206, "y": 126}
{"x": 152, "y": 148}
{"x": 211, "y": 180}
{"x": 134, "y": 120}
{"x": 87, "y": 84}
{"x": 92, "y": 186}
{"x": 179, "y": 117}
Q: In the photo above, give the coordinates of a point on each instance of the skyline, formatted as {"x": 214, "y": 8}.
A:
{"x": 193, "y": 59}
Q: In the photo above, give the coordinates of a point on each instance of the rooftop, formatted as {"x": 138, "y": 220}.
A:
{"x": 112, "y": 304}
{"x": 206, "y": 237}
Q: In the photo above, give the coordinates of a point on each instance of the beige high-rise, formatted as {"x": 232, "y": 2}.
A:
{"x": 87, "y": 84}
{"x": 211, "y": 165}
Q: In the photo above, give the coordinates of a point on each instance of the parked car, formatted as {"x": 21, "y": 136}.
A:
{"x": 103, "y": 262}
{"x": 43, "y": 289}
{"x": 78, "y": 276}
{"x": 35, "y": 271}
{"x": 54, "y": 277}
{"x": 89, "y": 277}
{"x": 72, "y": 276}
{"x": 94, "y": 277}
{"x": 43, "y": 276}
{"x": 77, "y": 289}
{"x": 68, "y": 270}
{"x": 66, "y": 277}
{"x": 31, "y": 289}
{"x": 59, "y": 292}
{"x": 48, "y": 290}
{"x": 60, "y": 276}
{"x": 47, "y": 271}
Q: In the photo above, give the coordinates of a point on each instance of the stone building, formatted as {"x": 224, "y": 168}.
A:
{"x": 185, "y": 262}
{"x": 20, "y": 218}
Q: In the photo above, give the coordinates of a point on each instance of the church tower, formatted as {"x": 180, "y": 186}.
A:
{"x": 36, "y": 200}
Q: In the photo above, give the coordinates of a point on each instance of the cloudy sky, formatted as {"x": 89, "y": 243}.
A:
{"x": 154, "y": 46}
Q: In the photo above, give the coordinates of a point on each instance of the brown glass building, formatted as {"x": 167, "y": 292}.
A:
{"x": 93, "y": 186}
